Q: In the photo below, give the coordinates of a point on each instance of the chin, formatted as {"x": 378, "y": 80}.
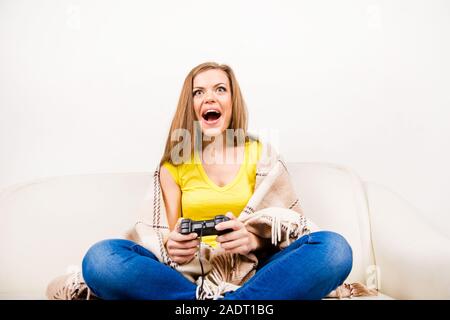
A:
{"x": 212, "y": 132}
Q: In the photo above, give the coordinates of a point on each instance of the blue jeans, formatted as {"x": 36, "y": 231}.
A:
{"x": 309, "y": 268}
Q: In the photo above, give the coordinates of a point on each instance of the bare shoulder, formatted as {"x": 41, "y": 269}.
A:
{"x": 166, "y": 178}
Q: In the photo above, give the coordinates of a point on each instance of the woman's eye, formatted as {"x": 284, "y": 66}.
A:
{"x": 222, "y": 89}
{"x": 195, "y": 92}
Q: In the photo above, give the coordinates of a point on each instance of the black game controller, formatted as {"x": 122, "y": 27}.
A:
{"x": 203, "y": 227}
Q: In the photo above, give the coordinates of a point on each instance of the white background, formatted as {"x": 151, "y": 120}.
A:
{"x": 91, "y": 86}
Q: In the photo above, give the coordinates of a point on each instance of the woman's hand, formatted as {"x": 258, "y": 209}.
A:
{"x": 182, "y": 247}
{"x": 240, "y": 240}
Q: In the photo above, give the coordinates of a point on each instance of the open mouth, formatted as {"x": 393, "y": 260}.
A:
{"x": 211, "y": 115}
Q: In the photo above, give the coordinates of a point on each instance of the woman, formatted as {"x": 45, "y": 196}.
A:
{"x": 246, "y": 262}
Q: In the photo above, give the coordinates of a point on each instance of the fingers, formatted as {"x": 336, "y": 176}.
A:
{"x": 176, "y": 236}
{"x": 183, "y": 244}
{"x": 232, "y": 235}
{"x": 236, "y": 241}
{"x": 230, "y": 215}
{"x": 240, "y": 245}
{"x": 182, "y": 247}
{"x": 183, "y": 252}
{"x": 181, "y": 255}
{"x": 177, "y": 225}
{"x": 182, "y": 241}
{"x": 233, "y": 224}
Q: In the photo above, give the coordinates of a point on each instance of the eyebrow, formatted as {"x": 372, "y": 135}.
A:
{"x": 214, "y": 85}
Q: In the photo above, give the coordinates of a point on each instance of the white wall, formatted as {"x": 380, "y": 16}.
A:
{"x": 91, "y": 86}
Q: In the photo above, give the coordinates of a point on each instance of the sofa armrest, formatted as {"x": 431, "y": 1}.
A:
{"x": 413, "y": 259}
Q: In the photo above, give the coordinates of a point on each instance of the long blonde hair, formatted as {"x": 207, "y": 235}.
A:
{"x": 185, "y": 115}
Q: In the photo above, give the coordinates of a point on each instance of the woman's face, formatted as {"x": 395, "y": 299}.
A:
{"x": 212, "y": 101}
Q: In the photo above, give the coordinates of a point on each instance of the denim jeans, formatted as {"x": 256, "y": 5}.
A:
{"x": 309, "y": 268}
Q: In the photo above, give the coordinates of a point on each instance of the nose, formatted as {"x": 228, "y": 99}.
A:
{"x": 209, "y": 96}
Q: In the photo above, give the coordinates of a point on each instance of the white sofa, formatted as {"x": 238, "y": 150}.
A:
{"x": 48, "y": 224}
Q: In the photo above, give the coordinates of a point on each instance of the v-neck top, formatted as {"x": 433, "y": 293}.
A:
{"x": 202, "y": 198}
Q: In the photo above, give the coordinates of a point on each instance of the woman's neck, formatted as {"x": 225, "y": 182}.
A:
{"x": 217, "y": 151}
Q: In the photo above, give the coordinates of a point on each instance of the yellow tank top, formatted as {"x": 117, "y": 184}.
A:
{"x": 202, "y": 199}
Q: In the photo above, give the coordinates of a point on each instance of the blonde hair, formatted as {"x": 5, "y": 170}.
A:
{"x": 184, "y": 117}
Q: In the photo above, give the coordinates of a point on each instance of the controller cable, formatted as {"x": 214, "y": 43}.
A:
{"x": 200, "y": 256}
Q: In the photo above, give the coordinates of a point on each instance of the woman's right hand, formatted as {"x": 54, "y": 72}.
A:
{"x": 182, "y": 247}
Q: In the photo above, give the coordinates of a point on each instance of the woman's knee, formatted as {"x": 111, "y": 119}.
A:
{"x": 97, "y": 260}
{"x": 339, "y": 252}
{"x": 101, "y": 250}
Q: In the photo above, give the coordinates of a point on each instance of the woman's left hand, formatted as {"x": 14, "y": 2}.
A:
{"x": 240, "y": 240}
